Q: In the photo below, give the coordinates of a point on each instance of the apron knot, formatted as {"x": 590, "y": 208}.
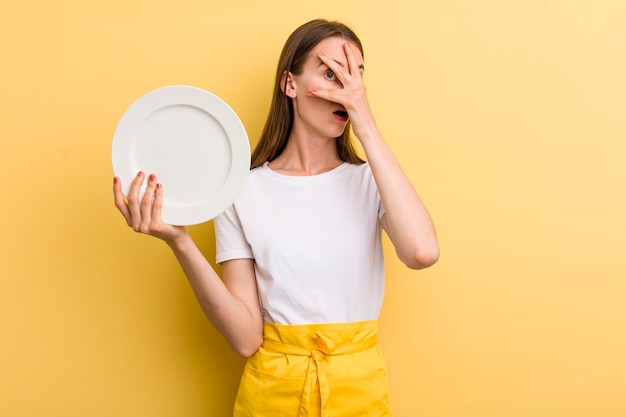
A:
{"x": 322, "y": 346}
{"x": 319, "y": 347}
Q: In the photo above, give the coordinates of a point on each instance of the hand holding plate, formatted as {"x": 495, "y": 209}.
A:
{"x": 144, "y": 214}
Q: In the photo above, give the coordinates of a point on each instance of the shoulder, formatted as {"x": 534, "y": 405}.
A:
{"x": 363, "y": 168}
{"x": 362, "y": 172}
{"x": 255, "y": 175}
{"x": 258, "y": 171}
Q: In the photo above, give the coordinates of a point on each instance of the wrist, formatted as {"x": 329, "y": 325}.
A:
{"x": 367, "y": 134}
{"x": 179, "y": 240}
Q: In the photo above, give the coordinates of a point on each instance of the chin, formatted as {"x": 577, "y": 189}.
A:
{"x": 337, "y": 132}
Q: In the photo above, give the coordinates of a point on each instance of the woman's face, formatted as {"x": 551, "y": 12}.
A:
{"x": 313, "y": 116}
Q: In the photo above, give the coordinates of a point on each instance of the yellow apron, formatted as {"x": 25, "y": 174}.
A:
{"x": 316, "y": 370}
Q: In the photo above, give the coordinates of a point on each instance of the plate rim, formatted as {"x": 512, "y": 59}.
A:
{"x": 216, "y": 107}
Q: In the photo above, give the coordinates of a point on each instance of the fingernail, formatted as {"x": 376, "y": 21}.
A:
{"x": 159, "y": 186}
{"x": 152, "y": 177}
{"x": 140, "y": 174}
{"x": 322, "y": 53}
{"x": 114, "y": 180}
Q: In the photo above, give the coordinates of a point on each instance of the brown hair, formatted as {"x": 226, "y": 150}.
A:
{"x": 280, "y": 118}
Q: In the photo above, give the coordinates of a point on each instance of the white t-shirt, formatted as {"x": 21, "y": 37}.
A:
{"x": 316, "y": 242}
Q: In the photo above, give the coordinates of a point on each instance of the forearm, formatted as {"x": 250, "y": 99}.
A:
{"x": 234, "y": 310}
{"x": 230, "y": 315}
{"x": 406, "y": 220}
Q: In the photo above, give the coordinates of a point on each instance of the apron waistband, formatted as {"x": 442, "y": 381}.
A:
{"x": 318, "y": 341}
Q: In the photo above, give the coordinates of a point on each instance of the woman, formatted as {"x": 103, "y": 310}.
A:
{"x": 300, "y": 249}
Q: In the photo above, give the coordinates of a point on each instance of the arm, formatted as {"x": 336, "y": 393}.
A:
{"x": 231, "y": 305}
{"x": 406, "y": 219}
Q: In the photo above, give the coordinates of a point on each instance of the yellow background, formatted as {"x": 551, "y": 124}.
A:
{"x": 509, "y": 117}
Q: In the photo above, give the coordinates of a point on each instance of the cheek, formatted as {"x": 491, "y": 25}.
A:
{"x": 334, "y": 83}
{"x": 314, "y": 84}
{"x": 318, "y": 82}
{"x": 313, "y": 107}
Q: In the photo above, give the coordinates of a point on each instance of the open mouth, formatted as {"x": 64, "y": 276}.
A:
{"x": 343, "y": 115}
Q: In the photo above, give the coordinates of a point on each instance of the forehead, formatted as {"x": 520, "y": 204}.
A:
{"x": 333, "y": 48}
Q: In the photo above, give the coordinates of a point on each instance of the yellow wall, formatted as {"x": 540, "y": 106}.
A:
{"x": 508, "y": 116}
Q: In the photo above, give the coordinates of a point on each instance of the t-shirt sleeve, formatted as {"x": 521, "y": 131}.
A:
{"x": 231, "y": 242}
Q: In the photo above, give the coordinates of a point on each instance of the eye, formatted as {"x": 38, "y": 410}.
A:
{"x": 329, "y": 75}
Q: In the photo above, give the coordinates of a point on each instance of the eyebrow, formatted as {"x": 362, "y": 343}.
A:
{"x": 361, "y": 66}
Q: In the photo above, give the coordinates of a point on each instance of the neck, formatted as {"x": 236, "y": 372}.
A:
{"x": 307, "y": 156}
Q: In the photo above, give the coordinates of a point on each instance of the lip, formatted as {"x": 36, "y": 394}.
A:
{"x": 341, "y": 114}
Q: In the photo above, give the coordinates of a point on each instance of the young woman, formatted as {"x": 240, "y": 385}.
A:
{"x": 300, "y": 248}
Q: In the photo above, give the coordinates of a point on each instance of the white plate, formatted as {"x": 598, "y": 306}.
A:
{"x": 193, "y": 141}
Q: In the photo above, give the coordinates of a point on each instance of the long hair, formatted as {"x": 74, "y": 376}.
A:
{"x": 280, "y": 118}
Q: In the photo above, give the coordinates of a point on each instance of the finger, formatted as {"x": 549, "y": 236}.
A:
{"x": 120, "y": 201}
{"x": 146, "y": 204}
{"x": 353, "y": 65}
{"x": 133, "y": 201}
{"x": 157, "y": 208}
{"x": 338, "y": 70}
{"x": 326, "y": 94}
